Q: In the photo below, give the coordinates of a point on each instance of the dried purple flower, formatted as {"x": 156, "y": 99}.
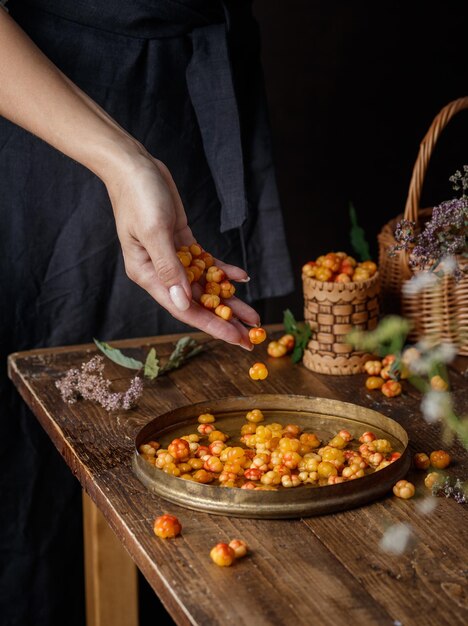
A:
{"x": 451, "y": 488}
{"x": 90, "y": 384}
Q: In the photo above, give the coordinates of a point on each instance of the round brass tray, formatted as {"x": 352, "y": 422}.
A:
{"x": 319, "y": 415}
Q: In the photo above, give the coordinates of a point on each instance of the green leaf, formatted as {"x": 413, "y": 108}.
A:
{"x": 301, "y": 334}
{"x": 151, "y": 365}
{"x": 185, "y": 348}
{"x": 289, "y": 322}
{"x": 357, "y": 235}
{"x": 117, "y": 356}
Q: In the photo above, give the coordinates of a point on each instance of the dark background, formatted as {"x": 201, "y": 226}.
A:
{"x": 352, "y": 89}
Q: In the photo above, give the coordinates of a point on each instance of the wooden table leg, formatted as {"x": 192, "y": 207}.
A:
{"x": 110, "y": 574}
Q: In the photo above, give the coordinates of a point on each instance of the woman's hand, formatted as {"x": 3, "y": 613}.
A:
{"x": 152, "y": 225}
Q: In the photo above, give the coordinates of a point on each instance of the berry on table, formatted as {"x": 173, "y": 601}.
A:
{"x": 421, "y": 460}
{"x": 404, "y": 489}
{"x": 240, "y": 547}
{"x": 372, "y": 368}
{"x": 438, "y": 383}
{"x": 391, "y": 388}
{"x": 440, "y": 459}
{"x": 258, "y": 371}
{"x": 374, "y": 382}
{"x": 288, "y": 341}
{"x": 432, "y": 479}
{"x": 257, "y": 335}
{"x": 167, "y": 526}
{"x": 276, "y": 349}
{"x": 222, "y": 554}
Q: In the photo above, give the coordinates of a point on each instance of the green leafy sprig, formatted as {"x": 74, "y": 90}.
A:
{"x": 358, "y": 237}
{"x": 300, "y": 332}
{"x": 185, "y": 349}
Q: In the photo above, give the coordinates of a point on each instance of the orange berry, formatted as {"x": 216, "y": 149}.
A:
{"x": 179, "y": 449}
{"x": 206, "y": 418}
{"x": 388, "y": 360}
{"x": 440, "y": 459}
{"x": 347, "y": 269}
{"x": 367, "y": 437}
{"x": 309, "y": 269}
{"x": 323, "y": 274}
{"x": 185, "y": 258}
{"x": 217, "y": 435}
{"x": 342, "y": 278}
{"x": 203, "y": 477}
{"x": 167, "y": 526}
{"x": 213, "y": 289}
{"x": 190, "y": 275}
{"x": 258, "y": 371}
{"x": 432, "y": 479}
{"x": 331, "y": 262}
{"x": 215, "y": 274}
{"x": 360, "y": 275}
{"x": 374, "y": 382}
{"x": 195, "y": 249}
{"x": 391, "y": 388}
{"x": 209, "y": 301}
{"x": 205, "y": 429}
{"x": 223, "y": 555}
{"x": 373, "y": 368}
{"x": 319, "y": 260}
{"x": 223, "y": 311}
{"x": 421, "y": 461}
{"x": 350, "y": 261}
{"x": 369, "y": 266}
{"x": 257, "y": 335}
{"x": 227, "y": 289}
{"x": 438, "y": 383}
{"x": 207, "y": 259}
{"x": 196, "y": 271}
{"x": 404, "y": 489}
{"x": 240, "y": 547}
{"x": 255, "y": 416}
{"x": 276, "y": 349}
{"x": 288, "y": 341}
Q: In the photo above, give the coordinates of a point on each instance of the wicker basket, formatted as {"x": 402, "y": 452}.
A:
{"x": 442, "y": 311}
{"x": 332, "y": 310}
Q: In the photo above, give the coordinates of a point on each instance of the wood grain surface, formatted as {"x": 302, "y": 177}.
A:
{"x": 327, "y": 570}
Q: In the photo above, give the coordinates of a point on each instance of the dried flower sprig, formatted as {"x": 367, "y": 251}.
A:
{"x": 89, "y": 383}
{"x": 444, "y": 236}
{"x": 451, "y": 488}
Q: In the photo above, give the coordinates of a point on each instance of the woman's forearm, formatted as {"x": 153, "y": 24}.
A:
{"x": 35, "y": 95}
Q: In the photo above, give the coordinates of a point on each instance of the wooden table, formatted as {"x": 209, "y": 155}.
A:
{"x": 325, "y": 570}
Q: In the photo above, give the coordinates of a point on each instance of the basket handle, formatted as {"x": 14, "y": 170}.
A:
{"x": 425, "y": 151}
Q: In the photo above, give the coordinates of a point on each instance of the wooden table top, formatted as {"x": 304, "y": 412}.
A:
{"x": 327, "y": 568}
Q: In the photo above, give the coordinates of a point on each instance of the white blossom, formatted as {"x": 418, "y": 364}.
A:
{"x": 396, "y": 539}
{"x": 435, "y": 405}
{"x": 426, "y": 506}
{"x": 420, "y": 282}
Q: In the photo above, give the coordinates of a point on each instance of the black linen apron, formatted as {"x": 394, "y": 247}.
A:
{"x": 184, "y": 79}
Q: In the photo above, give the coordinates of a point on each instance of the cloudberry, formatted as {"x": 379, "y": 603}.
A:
{"x": 257, "y": 335}
{"x": 258, "y": 371}
{"x": 167, "y": 526}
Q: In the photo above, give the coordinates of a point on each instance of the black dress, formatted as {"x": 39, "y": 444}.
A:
{"x": 183, "y": 77}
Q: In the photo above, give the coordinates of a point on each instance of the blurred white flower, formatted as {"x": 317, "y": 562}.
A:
{"x": 435, "y": 405}
{"x": 430, "y": 355}
{"x": 419, "y": 282}
{"x": 396, "y": 539}
{"x": 426, "y": 506}
{"x": 448, "y": 265}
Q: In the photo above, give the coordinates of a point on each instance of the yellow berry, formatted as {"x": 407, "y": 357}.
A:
{"x": 255, "y": 416}
{"x": 206, "y": 418}
{"x": 167, "y": 526}
{"x": 276, "y": 349}
{"x": 440, "y": 459}
{"x": 222, "y": 554}
{"x": 258, "y": 371}
{"x": 257, "y": 335}
{"x": 404, "y": 489}
{"x": 240, "y": 547}
{"x": 224, "y": 311}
